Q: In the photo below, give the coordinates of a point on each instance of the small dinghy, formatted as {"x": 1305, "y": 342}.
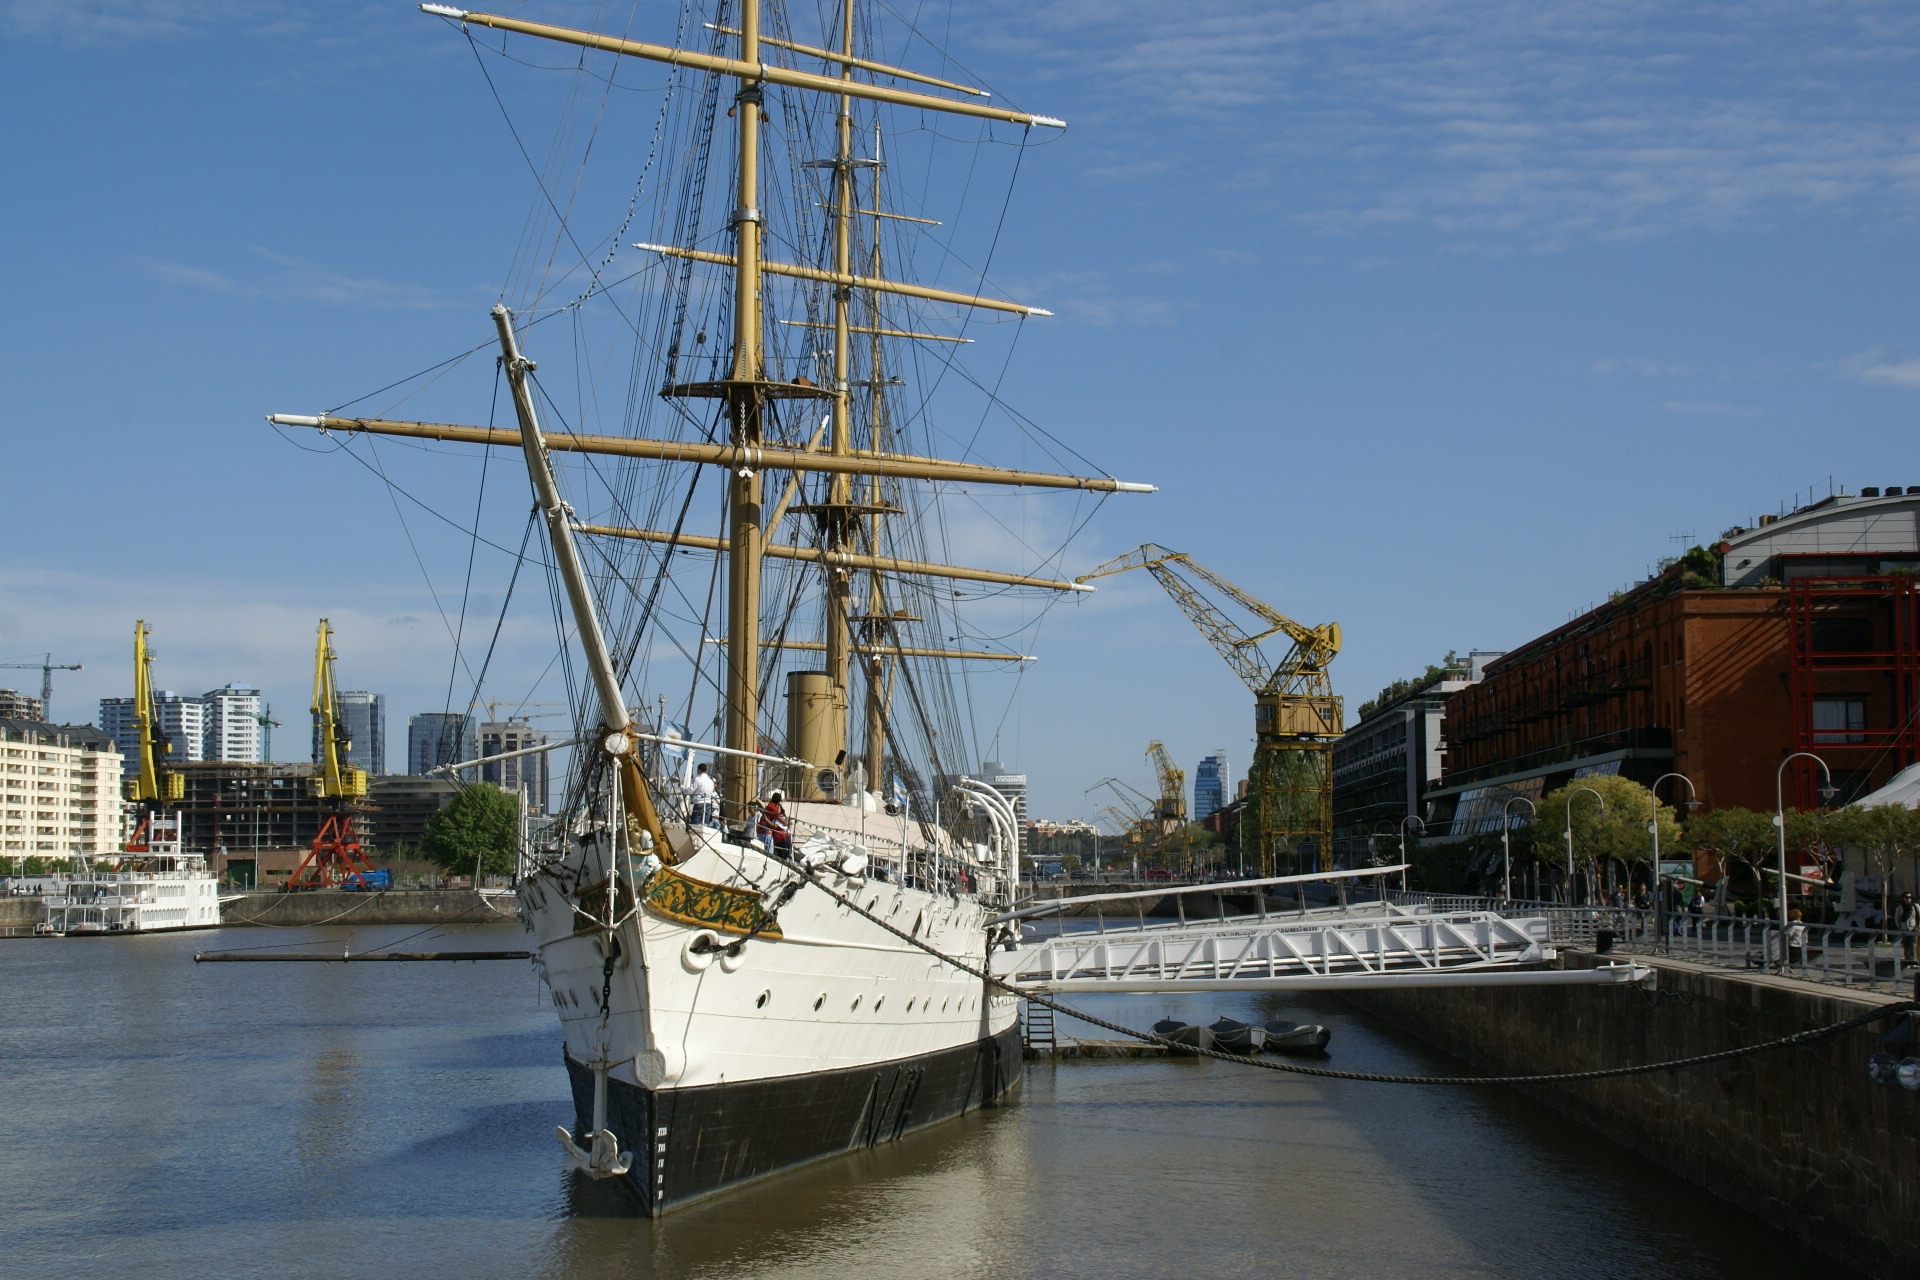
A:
{"x": 1230, "y": 1036}
{"x": 1184, "y": 1033}
{"x": 1297, "y": 1037}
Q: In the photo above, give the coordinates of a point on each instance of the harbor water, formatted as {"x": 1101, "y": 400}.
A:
{"x": 385, "y": 1120}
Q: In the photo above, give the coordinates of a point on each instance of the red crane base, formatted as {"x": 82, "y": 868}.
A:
{"x": 335, "y": 853}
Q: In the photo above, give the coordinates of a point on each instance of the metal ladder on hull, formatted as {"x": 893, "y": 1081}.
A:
{"x": 1036, "y": 1029}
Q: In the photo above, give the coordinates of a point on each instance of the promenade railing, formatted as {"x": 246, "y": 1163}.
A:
{"x": 1881, "y": 960}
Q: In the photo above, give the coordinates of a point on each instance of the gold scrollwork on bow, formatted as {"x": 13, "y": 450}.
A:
{"x": 689, "y": 901}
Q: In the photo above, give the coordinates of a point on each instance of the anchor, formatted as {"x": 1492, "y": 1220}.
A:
{"x": 602, "y": 1158}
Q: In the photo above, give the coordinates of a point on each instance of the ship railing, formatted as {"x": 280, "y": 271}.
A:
{"x": 928, "y": 870}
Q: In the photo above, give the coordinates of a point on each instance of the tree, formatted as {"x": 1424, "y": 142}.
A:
{"x": 1619, "y": 832}
{"x": 479, "y": 825}
{"x": 1884, "y": 833}
{"x": 1731, "y": 837}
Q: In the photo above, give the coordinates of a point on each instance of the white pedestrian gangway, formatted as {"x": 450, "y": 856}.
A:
{"x": 1361, "y": 946}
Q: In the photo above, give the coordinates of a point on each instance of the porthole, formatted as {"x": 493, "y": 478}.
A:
{"x": 943, "y": 1006}
{"x": 817, "y": 1003}
{"x": 760, "y": 1001}
{"x": 910, "y": 1005}
{"x": 856, "y": 1004}
{"x": 877, "y": 1003}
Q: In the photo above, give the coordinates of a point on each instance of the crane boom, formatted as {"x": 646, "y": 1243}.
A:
{"x": 1172, "y": 809}
{"x": 150, "y": 785}
{"x": 1297, "y": 717}
{"x": 335, "y": 778}
{"x": 336, "y": 845}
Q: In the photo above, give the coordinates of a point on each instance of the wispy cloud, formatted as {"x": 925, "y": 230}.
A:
{"x": 1885, "y": 367}
{"x": 1712, "y": 408}
{"x": 84, "y": 21}
{"x": 1093, "y": 298}
{"x": 280, "y": 275}
{"x": 1643, "y": 366}
{"x": 1534, "y": 122}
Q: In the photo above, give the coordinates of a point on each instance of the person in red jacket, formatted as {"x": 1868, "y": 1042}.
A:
{"x": 772, "y": 828}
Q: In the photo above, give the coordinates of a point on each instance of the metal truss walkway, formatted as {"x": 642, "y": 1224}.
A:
{"x": 1369, "y": 946}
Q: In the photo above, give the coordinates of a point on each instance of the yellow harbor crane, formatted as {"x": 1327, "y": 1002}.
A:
{"x": 1172, "y": 808}
{"x": 151, "y": 788}
{"x": 1296, "y": 715}
{"x": 336, "y": 846}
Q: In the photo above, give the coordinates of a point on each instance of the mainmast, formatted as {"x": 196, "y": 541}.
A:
{"x": 744, "y": 404}
{"x": 854, "y": 499}
{"x": 839, "y": 583}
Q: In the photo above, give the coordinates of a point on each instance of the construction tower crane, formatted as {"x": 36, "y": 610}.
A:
{"x": 151, "y": 788}
{"x": 267, "y": 725}
{"x": 46, "y": 667}
{"x": 1296, "y": 715}
{"x": 335, "y": 782}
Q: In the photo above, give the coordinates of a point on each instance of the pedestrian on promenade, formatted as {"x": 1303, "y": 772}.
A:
{"x": 1906, "y": 918}
{"x": 700, "y": 792}
{"x": 1796, "y": 939}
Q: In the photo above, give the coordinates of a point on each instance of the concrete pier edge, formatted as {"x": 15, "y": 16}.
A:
{"x": 1799, "y": 1137}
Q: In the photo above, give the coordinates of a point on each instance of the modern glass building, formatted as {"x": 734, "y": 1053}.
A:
{"x": 1212, "y": 785}
{"x": 436, "y": 738}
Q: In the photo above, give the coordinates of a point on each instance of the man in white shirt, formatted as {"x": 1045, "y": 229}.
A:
{"x": 700, "y": 790}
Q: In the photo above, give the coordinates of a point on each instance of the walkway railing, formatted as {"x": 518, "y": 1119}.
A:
{"x": 1880, "y": 960}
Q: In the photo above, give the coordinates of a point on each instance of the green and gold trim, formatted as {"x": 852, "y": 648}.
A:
{"x": 681, "y": 898}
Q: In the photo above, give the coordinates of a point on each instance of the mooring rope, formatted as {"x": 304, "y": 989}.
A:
{"x": 1327, "y": 1073}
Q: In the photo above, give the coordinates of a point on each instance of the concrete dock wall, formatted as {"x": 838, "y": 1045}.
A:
{"x": 333, "y": 906}
{"x": 19, "y": 915}
{"x": 1801, "y": 1137}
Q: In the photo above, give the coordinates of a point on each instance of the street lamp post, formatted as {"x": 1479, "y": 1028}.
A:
{"x": 1403, "y": 846}
{"x": 1603, "y": 808}
{"x": 1506, "y": 841}
{"x": 1653, "y": 829}
{"x": 1780, "y": 828}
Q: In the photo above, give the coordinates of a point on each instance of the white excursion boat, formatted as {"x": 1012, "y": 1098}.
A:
{"x": 146, "y": 890}
{"x": 789, "y": 968}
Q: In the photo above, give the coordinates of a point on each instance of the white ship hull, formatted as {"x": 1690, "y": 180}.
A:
{"x": 729, "y": 1056}
{"x": 115, "y": 902}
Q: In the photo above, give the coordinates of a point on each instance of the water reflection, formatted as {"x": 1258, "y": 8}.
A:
{"x": 331, "y": 1121}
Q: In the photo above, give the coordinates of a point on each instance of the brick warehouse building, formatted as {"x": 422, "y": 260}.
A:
{"x": 1800, "y": 634}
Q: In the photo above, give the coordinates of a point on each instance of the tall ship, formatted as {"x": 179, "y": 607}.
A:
{"x": 763, "y": 940}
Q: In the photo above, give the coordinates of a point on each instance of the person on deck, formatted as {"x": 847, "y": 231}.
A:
{"x": 700, "y": 792}
{"x": 773, "y": 830}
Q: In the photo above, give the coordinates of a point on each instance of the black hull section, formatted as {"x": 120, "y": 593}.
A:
{"x": 690, "y": 1143}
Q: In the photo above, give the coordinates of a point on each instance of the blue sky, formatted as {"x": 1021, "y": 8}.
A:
{"x": 1438, "y": 319}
